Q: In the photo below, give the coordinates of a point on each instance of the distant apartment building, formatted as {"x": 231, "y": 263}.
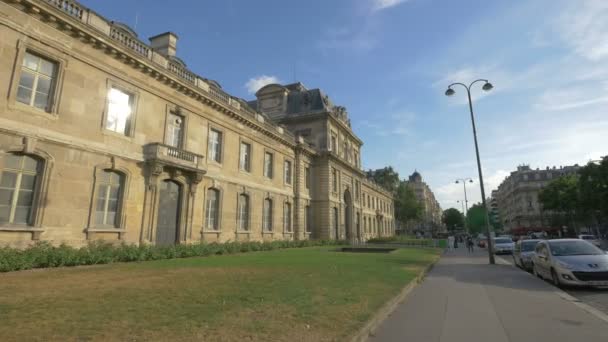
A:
{"x": 430, "y": 222}
{"x": 515, "y": 202}
{"x": 105, "y": 136}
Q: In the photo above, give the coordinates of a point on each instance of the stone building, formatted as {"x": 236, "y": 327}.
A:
{"x": 431, "y": 220}
{"x": 103, "y": 136}
{"x": 515, "y": 202}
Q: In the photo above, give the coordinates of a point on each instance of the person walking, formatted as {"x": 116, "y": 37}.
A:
{"x": 451, "y": 242}
{"x": 470, "y": 244}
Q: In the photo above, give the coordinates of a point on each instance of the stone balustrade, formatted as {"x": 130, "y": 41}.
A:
{"x": 173, "y": 156}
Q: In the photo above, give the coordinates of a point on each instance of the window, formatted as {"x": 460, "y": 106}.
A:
{"x": 212, "y": 210}
{"x": 287, "y": 172}
{"x": 267, "y": 215}
{"x": 245, "y": 157}
{"x": 120, "y": 104}
{"x": 215, "y": 146}
{"x": 37, "y": 81}
{"x": 356, "y": 158}
{"x": 268, "y": 165}
{"x": 307, "y": 177}
{"x": 334, "y": 179}
{"x": 337, "y": 234}
{"x": 243, "y": 212}
{"x": 334, "y": 144}
{"x": 287, "y": 217}
{"x": 344, "y": 150}
{"x": 308, "y": 218}
{"x": 18, "y": 182}
{"x": 109, "y": 197}
{"x": 175, "y": 130}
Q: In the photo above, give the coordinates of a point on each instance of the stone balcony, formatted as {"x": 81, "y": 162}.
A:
{"x": 166, "y": 155}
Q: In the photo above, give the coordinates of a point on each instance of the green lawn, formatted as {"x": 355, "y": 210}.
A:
{"x": 307, "y": 294}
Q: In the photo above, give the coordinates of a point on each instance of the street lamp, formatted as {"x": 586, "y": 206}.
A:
{"x": 487, "y": 86}
{"x": 464, "y": 222}
{"x": 464, "y": 185}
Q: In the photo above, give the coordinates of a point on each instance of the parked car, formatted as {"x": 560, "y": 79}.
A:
{"x": 591, "y": 238}
{"x": 503, "y": 245}
{"x": 571, "y": 262}
{"x": 523, "y": 253}
{"x": 507, "y": 237}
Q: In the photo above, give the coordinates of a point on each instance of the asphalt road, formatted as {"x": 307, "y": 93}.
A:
{"x": 596, "y": 297}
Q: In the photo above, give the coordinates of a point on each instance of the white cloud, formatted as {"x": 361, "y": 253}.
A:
{"x": 583, "y": 26}
{"x": 378, "y": 5}
{"x": 254, "y": 84}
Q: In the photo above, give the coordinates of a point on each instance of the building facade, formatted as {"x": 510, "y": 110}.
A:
{"x": 431, "y": 220}
{"x": 103, "y": 136}
{"x": 515, "y": 202}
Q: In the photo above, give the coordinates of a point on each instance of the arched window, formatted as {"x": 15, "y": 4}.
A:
{"x": 109, "y": 198}
{"x": 243, "y": 212}
{"x": 287, "y": 217}
{"x": 212, "y": 209}
{"x": 18, "y": 186}
{"x": 267, "y": 215}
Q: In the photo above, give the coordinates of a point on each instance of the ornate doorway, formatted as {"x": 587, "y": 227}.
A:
{"x": 167, "y": 225}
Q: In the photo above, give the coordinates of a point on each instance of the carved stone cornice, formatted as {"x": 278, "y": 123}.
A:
{"x": 74, "y": 26}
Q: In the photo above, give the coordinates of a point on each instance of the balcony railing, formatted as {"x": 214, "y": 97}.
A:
{"x": 70, "y": 7}
{"x": 173, "y": 156}
{"x": 182, "y": 72}
{"x": 130, "y": 42}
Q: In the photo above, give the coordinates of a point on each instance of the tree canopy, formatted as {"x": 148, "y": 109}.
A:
{"x": 476, "y": 219}
{"x": 453, "y": 219}
{"x": 387, "y": 177}
{"x": 407, "y": 206}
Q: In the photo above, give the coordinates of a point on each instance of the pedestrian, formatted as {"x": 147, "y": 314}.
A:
{"x": 451, "y": 243}
{"x": 456, "y": 243}
{"x": 470, "y": 244}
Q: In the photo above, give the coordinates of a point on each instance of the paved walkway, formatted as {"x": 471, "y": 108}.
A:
{"x": 465, "y": 299}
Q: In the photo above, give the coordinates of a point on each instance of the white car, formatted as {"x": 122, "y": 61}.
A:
{"x": 571, "y": 262}
{"x": 503, "y": 245}
{"x": 591, "y": 238}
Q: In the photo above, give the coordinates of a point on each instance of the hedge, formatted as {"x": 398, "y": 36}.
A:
{"x": 402, "y": 240}
{"x": 43, "y": 254}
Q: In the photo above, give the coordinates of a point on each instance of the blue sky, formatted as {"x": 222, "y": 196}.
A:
{"x": 389, "y": 62}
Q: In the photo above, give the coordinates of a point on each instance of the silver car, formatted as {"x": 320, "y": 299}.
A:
{"x": 591, "y": 238}
{"x": 523, "y": 253}
{"x": 503, "y": 245}
{"x": 571, "y": 262}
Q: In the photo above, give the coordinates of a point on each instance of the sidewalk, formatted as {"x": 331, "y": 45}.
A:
{"x": 465, "y": 299}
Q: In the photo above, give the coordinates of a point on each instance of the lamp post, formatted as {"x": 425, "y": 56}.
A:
{"x": 464, "y": 222}
{"x": 487, "y": 86}
{"x": 464, "y": 186}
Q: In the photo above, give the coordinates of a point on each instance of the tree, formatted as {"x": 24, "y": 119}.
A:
{"x": 476, "y": 219}
{"x": 386, "y": 177}
{"x": 593, "y": 190}
{"x": 562, "y": 195}
{"x": 407, "y": 206}
{"x": 453, "y": 219}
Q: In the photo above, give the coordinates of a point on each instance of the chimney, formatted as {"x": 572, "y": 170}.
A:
{"x": 164, "y": 43}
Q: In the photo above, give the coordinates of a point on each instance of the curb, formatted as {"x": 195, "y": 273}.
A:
{"x": 565, "y": 296}
{"x": 387, "y": 309}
